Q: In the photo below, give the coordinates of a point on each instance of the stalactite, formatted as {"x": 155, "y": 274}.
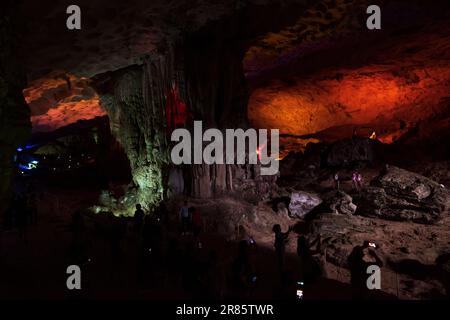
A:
{"x": 213, "y": 91}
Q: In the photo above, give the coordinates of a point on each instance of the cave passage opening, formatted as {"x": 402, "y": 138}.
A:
{"x": 71, "y": 150}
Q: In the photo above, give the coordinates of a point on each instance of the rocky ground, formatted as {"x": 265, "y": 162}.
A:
{"x": 405, "y": 213}
{"x": 408, "y": 220}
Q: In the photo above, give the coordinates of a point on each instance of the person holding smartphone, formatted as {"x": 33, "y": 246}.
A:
{"x": 358, "y": 264}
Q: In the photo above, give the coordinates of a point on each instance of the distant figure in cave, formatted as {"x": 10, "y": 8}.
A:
{"x": 310, "y": 268}
{"x": 357, "y": 181}
{"x": 281, "y": 239}
{"x": 336, "y": 180}
{"x": 358, "y": 264}
{"x": 185, "y": 218}
{"x": 138, "y": 219}
{"x": 197, "y": 225}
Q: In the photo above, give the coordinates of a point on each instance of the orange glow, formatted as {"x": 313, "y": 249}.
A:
{"x": 60, "y": 99}
{"x": 369, "y": 97}
{"x": 67, "y": 113}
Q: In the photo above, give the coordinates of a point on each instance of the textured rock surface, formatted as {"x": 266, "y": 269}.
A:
{"x": 60, "y": 99}
{"x": 409, "y": 251}
{"x": 339, "y": 202}
{"x": 205, "y": 69}
{"x": 323, "y": 85}
{"x": 134, "y": 102}
{"x": 398, "y": 194}
{"x": 302, "y": 203}
{"x": 115, "y": 34}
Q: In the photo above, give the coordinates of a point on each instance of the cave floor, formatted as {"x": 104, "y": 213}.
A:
{"x": 35, "y": 266}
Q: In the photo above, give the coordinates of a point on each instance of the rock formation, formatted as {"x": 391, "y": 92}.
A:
{"x": 302, "y": 203}
{"x": 401, "y": 195}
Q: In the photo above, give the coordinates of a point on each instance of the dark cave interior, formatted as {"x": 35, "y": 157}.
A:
{"x": 86, "y": 122}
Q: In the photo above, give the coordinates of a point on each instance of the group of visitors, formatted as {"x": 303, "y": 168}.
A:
{"x": 203, "y": 274}
{"x": 310, "y": 266}
{"x": 357, "y": 181}
{"x": 312, "y": 261}
{"x": 191, "y": 222}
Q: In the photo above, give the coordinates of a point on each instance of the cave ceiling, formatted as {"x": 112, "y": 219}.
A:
{"x": 324, "y": 71}
{"x": 320, "y": 80}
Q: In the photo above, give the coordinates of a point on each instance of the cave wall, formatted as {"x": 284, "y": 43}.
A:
{"x": 388, "y": 99}
{"x": 134, "y": 99}
{"x": 59, "y": 99}
{"x": 389, "y": 81}
{"x": 14, "y": 112}
{"x": 205, "y": 67}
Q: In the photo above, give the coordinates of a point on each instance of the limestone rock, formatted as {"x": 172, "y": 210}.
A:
{"x": 302, "y": 203}
{"x": 398, "y": 194}
{"x": 340, "y": 203}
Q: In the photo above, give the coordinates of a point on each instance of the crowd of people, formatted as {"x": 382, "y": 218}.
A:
{"x": 179, "y": 253}
{"x": 312, "y": 262}
{"x": 357, "y": 181}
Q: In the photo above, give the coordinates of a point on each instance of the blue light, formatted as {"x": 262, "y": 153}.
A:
{"x": 20, "y": 149}
{"x": 23, "y": 167}
{"x": 30, "y": 166}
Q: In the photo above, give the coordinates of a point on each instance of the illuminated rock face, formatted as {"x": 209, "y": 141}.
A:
{"x": 60, "y": 99}
{"x": 366, "y": 97}
{"x": 386, "y": 82}
{"x": 134, "y": 102}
